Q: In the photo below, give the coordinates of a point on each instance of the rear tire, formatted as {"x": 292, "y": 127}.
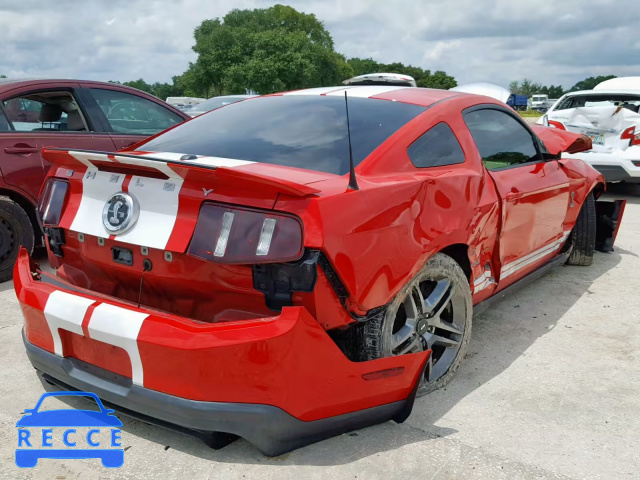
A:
{"x": 434, "y": 310}
{"x": 15, "y": 231}
{"x": 583, "y": 235}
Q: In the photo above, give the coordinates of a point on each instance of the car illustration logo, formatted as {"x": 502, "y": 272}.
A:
{"x": 69, "y": 433}
{"x": 120, "y": 213}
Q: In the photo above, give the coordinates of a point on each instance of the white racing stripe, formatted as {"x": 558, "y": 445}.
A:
{"x": 67, "y": 312}
{"x": 158, "y": 201}
{"x": 366, "y": 91}
{"x": 108, "y": 324}
{"x": 483, "y": 281}
{"x": 120, "y": 327}
{"x": 512, "y": 267}
{"x": 97, "y": 188}
{"x": 316, "y": 91}
{"x": 363, "y": 91}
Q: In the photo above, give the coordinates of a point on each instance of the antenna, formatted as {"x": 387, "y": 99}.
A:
{"x": 353, "y": 184}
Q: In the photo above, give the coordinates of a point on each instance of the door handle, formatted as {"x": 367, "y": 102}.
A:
{"x": 511, "y": 197}
{"x": 20, "y": 150}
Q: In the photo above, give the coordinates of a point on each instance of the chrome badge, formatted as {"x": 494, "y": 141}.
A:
{"x": 120, "y": 213}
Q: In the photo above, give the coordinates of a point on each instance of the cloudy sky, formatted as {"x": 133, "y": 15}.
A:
{"x": 549, "y": 41}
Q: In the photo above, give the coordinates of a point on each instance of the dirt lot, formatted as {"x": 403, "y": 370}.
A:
{"x": 550, "y": 389}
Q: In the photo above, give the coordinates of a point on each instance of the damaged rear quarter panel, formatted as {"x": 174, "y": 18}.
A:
{"x": 378, "y": 237}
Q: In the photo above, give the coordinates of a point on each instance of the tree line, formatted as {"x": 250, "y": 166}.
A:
{"x": 270, "y": 50}
{"x": 528, "y": 88}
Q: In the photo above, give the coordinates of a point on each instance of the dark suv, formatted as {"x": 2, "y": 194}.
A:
{"x": 61, "y": 113}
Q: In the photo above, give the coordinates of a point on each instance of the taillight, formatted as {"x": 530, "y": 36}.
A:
{"x": 52, "y": 201}
{"x": 630, "y": 134}
{"x": 244, "y": 236}
{"x": 553, "y": 123}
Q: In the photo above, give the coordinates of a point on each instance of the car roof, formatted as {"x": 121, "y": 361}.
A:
{"x": 617, "y": 91}
{"x": 414, "y": 95}
{"x": 11, "y": 83}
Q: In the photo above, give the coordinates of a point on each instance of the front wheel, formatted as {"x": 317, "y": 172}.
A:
{"x": 434, "y": 310}
{"x": 583, "y": 235}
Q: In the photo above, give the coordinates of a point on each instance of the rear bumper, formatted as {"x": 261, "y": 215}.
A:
{"x": 279, "y": 382}
{"x": 616, "y": 166}
{"x": 270, "y": 429}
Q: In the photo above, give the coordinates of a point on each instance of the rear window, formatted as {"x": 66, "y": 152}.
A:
{"x": 631, "y": 102}
{"x": 298, "y": 131}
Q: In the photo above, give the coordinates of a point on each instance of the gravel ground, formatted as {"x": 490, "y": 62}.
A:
{"x": 550, "y": 389}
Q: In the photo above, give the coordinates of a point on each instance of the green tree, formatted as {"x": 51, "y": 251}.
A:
{"x": 362, "y": 66}
{"x": 528, "y": 88}
{"x": 263, "y": 50}
{"x": 590, "y": 83}
{"x": 438, "y": 79}
{"x": 160, "y": 90}
{"x": 423, "y": 78}
{"x": 3, "y": 76}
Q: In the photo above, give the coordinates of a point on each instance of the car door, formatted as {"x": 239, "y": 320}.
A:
{"x": 41, "y": 117}
{"x": 131, "y": 118}
{"x": 534, "y": 192}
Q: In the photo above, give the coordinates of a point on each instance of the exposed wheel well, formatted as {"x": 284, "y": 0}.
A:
{"x": 30, "y": 210}
{"x": 460, "y": 253}
{"x": 598, "y": 190}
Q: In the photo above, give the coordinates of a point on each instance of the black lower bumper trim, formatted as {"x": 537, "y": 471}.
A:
{"x": 270, "y": 429}
{"x": 612, "y": 173}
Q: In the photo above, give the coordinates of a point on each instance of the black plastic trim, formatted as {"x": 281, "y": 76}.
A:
{"x": 270, "y": 429}
{"x": 278, "y": 281}
{"x": 612, "y": 173}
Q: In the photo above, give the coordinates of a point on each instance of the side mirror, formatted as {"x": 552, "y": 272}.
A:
{"x": 550, "y": 156}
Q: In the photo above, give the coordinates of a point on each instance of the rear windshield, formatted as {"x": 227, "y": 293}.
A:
{"x": 604, "y": 100}
{"x": 294, "y": 130}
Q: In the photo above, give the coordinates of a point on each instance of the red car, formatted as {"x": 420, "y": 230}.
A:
{"x": 284, "y": 269}
{"x": 63, "y": 114}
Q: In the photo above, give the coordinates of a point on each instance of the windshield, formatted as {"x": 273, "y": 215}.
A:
{"x": 216, "y": 102}
{"x": 304, "y": 131}
{"x": 537, "y": 98}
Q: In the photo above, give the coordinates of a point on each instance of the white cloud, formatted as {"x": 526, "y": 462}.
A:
{"x": 548, "y": 41}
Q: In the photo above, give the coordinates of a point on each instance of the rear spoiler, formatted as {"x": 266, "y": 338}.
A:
{"x": 74, "y": 159}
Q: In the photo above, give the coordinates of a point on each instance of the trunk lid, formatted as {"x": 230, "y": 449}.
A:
{"x": 148, "y": 264}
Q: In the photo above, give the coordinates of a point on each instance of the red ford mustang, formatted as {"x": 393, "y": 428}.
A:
{"x": 298, "y": 265}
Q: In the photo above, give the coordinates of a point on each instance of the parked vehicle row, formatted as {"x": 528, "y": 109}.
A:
{"x": 291, "y": 279}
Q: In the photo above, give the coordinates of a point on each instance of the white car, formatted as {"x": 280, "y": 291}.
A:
{"x": 386, "y": 79}
{"x": 611, "y": 118}
{"x": 216, "y": 102}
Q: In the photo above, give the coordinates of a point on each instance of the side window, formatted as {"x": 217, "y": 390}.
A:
{"x": 44, "y": 112}
{"x": 436, "y": 147}
{"x": 127, "y": 113}
{"x": 501, "y": 140}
